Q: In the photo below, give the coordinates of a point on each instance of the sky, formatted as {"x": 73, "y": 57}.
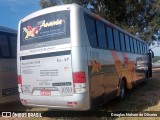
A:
{"x": 14, "y": 10}
{"x": 156, "y": 49}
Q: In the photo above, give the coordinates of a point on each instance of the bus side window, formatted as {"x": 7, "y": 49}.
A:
{"x": 127, "y": 43}
{"x": 138, "y": 47}
{"x": 135, "y": 45}
{"x": 131, "y": 43}
{"x": 102, "y": 43}
{"x": 116, "y": 39}
{"x": 4, "y": 46}
{"x": 13, "y": 41}
{"x": 123, "y": 48}
{"x": 110, "y": 38}
{"x": 143, "y": 50}
{"x": 91, "y": 30}
{"x": 146, "y": 48}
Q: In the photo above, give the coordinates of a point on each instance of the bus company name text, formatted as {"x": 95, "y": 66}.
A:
{"x": 32, "y": 31}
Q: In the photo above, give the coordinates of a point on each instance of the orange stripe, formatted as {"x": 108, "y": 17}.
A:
{"x": 126, "y": 61}
{"x": 117, "y": 63}
{"x": 97, "y": 17}
{"x": 129, "y": 72}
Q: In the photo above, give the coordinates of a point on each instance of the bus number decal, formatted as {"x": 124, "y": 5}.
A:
{"x": 66, "y": 90}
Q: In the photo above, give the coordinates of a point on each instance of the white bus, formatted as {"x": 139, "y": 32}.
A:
{"x": 8, "y": 63}
{"x": 70, "y": 58}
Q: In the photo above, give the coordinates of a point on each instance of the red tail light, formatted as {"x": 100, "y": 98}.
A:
{"x": 19, "y": 79}
{"x": 79, "y": 81}
{"x": 69, "y": 104}
{"x": 20, "y": 83}
{"x": 79, "y": 77}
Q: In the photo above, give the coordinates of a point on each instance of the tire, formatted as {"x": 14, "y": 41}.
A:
{"x": 122, "y": 90}
{"x": 147, "y": 74}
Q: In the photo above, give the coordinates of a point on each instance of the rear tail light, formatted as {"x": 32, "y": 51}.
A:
{"x": 19, "y": 83}
{"x": 19, "y": 79}
{"x": 71, "y": 104}
{"x": 79, "y": 81}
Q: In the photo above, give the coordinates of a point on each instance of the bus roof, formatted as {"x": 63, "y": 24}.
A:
{"x": 8, "y": 30}
{"x": 60, "y": 7}
{"x": 46, "y": 10}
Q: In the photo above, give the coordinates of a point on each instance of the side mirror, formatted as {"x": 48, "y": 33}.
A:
{"x": 152, "y": 53}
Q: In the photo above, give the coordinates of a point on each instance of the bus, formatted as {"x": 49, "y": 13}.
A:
{"x": 71, "y": 59}
{"x": 8, "y": 65}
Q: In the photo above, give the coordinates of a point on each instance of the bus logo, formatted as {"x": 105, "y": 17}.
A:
{"x": 96, "y": 66}
{"x": 32, "y": 31}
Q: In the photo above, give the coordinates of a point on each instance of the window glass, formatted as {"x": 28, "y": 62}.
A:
{"x": 146, "y": 48}
{"x": 135, "y": 45}
{"x": 122, "y": 42}
{"x": 110, "y": 38}
{"x": 91, "y": 30}
{"x": 132, "y": 45}
{"x": 45, "y": 30}
{"x": 116, "y": 39}
{"x": 138, "y": 48}
{"x": 4, "y": 45}
{"x": 143, "y": 50}
{"x": 13, "y": 42}
{"x": 127, "y": 43}
{"x": 140, "y": 45}
{"x": 101, "y": 34}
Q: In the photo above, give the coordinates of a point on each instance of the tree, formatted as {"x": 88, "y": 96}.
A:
{"x": 48, "y": 3}
{"x": 135, "y": 16}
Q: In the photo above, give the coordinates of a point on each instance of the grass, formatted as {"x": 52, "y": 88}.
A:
{"x": 143, "y": 98}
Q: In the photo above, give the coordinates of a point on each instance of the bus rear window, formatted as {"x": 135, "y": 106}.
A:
{"x": 45, "y": 30}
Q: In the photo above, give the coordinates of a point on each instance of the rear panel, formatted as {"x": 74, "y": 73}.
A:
{"x": 52, "y": 62}
{"x": 47, "y": 74}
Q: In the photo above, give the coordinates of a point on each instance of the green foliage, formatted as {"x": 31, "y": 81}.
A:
{"x": 135, "y": 16}
{"x": 46, "y": 3}
{"x": 155, "y": 59}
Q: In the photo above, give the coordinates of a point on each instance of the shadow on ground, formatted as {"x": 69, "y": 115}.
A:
{"x": 144, "y": 97}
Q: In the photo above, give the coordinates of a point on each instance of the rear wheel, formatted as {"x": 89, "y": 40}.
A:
{"x": 147, "y": 74}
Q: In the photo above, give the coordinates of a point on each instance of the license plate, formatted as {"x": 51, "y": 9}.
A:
{"x": 45, "y": 92}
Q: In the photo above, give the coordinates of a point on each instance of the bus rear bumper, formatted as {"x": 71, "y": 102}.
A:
{"x": 74, "y": 102}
